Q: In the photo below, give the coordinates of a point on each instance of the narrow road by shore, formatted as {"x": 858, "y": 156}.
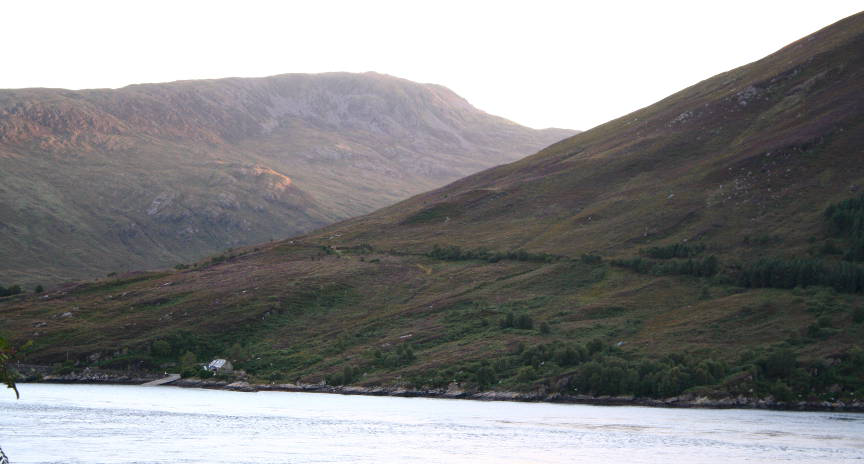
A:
{"x": 169, "y": 379}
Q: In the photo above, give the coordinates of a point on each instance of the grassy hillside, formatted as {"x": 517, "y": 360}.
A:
{"x": 98, "y": 181}
{"x": 704, "y": 244}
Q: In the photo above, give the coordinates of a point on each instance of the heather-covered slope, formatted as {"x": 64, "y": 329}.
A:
{"x": 759, "y": 150}
{"x": 710, "y": 244}
{"x": 95, "y": 181}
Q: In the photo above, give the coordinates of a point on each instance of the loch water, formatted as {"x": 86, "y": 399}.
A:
{"x": 130, "y": 424}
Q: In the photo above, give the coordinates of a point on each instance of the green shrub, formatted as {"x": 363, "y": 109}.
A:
{"x": 401, "y": 356}
{"x": 12, "y": 290}
{"x": 544, "y": 328}
{"x": 778, "y": 364}
{"x": 435, "y": 213}
{"x": 512, "y": 321}
{"x": 706, "y": 267}
{"x": 846, "y": 219}
{"x": 802, "y": 272}
{"x": 484, "y": 377}
{"x": 676, "y": 250}
{"x": 161, "y": 348}
{"x": 858, "y": 315}
{"x": 526, "y": 374}
{"x": 781, "y": 392}
{"x": 455, "y": 253}
{"x": 188, "y": 361}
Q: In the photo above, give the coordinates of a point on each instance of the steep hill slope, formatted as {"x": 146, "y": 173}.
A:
{"x": 708, "y": 244}
{"x": 95, "y": 181}
{"x": 759, "y": 150}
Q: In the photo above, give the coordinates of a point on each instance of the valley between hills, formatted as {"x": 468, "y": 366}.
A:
{"x": 710, "y": 244}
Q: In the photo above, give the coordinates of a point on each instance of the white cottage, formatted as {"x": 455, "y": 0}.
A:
{"x": 220, "y": 366}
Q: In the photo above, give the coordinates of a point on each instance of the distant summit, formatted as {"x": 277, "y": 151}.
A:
{"x": 95, "y": 181}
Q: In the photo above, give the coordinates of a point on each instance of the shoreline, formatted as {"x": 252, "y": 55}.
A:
{"x": 683, "y": 401}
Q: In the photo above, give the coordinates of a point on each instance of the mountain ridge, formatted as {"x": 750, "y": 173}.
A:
{"x": 178, "y": 158}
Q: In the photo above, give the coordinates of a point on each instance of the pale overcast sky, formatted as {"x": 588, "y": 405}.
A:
{"x": 540, "y": 63}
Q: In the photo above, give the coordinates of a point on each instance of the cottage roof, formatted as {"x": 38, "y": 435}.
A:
{"x": 217, "y": 363}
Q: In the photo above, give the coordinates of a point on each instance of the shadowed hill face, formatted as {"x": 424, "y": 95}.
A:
{"x": 150, "y": 175}
{"x": 688, "y": 247}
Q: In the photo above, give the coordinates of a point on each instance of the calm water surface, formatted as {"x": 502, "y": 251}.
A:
{"x": 128, "y": 424}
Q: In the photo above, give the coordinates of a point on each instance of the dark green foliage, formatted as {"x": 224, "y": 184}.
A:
{"x": 676, "y": 250}
{"x": 67, "y": 367}
{"x": 12, "y": 290}
{"x": 161, "y": 348}
{"x": 595, "y": 346}
{"x": 778, "y": 364}
{"x": 185, "y": 341}
{"x": 791, "y": 273}
{"x": 591, "y": 259}
{"x": 512, "y": 321}
{"x": 455, "y": 253}
{"x": 544, "y": 328}
{"x": 705, "y": 267}
{"x": 348, "y": 375}
{"x": 38, "y": 289}
{"x": 7, "y": 374}
{"x": 822, "y": 329}
{"x": 846, "y": 219}
{"x": 237, "y": 353}
{"x": 436, "y": 213}
{"x": 188, "y": 361}
{"x": 763, "y": 240}
{"x": 562, "y": 354}
{"x": 830, "y": 248}
{"x": 613, "y": 374}
{"x": 362, "y": 249}
{"x": 858, "y": 315}
{"x": 526, "y": 374}
{"x": 780, "y": 374}
{"x": 401, "y": 356}
{"x": 824, "y": 300}
{"x": 781, "y": 392}
{"x": 280, "y": 361}
{"x": 134, "y": 361}
{"x": 485, "y": 376}
{"x": 602, "y": 369}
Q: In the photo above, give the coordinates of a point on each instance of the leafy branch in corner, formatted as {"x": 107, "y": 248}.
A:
{"x": 7, "y": 375}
